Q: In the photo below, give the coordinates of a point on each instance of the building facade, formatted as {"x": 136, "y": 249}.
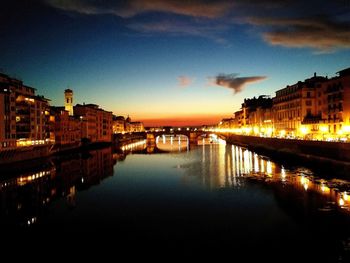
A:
{"x": 133, "y": 126}
{"x": 24, "y": 116}
{"x": 118, "y": 124}
{"x": 317, "y": 108}
{"x": 334, "y": 101}
{"x": 96, "y": 123}
{"x": 66, "y": 129}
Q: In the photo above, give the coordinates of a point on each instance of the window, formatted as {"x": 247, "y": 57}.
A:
{"x": 67, "y": 100}
{"x": 308, "y": 103}
{"x": 308, "y": 111}
{"x": 308, "y": 94}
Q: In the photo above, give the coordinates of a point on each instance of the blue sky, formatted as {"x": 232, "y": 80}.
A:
{"x": 161, "y": 61}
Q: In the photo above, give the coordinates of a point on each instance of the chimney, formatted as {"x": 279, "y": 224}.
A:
{"x": 315, "y": 74}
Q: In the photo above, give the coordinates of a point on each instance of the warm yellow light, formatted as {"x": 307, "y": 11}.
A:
{"x": 269, "y": 131}
{"x": 324, "y": 188}
{"x": 256, "y": 129}
{"x": 323, "y": 128}
{"x": 341, "y": 202}
{"x": 283, "y": 133}
{"x": 345, "y": 196}
{"x": 304, "y": 130}
{"x": 346, "y": 129}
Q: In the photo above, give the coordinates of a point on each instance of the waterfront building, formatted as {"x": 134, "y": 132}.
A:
{"x": 226, "y": 123}
{"x": 256, "y": 116}
{"x": 24, "y": 115}
{"x": 334, "y": 101}
{"x": 66, "y": 129}
{"x": 118, "y": 124}
{"x": 133, "y": 126}
{"x": 96, "y": 123}
{"x": 296, "y": 109}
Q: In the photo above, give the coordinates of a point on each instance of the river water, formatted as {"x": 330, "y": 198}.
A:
{"x": 210, "y": 197}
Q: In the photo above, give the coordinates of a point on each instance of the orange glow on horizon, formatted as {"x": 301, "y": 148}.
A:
{"x": 182, "y": 121}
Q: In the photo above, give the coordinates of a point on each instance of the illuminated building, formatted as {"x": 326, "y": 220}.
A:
{"x": 135, "y": 126}
{"x": 226, "y": 123}
{"x": 68, "y": 101}
{"x": 118, "y": 124}
{"x": 317, "y": 108}
{"x": 23, "y": 115}
{"x": 238, "y": 119}
{"x": 96, "y": 123}
{"x": 256, "y": 115}
{"x": 295, "y": 107}
{"x": 66, "y": 129}
{"x": 335, "y": 105}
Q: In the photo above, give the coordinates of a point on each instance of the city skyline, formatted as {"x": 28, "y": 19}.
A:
{"x": 171, "y": 63}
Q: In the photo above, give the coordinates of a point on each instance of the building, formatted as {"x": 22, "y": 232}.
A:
{"x": 68, "y": 101}
{"x": 317, "y": 108}
{"x": 226, "y": 123}
{"x": 118, "y": 124}
{"x": 96, "y": 123}
{"x": 135, "y": 126}
{"x": 66, "y": 129}
{"x": 296, "y": 108}
{"x": 256, "y": 116}
{"x": 24, "y": 116}
{"x": 334, "y": 106}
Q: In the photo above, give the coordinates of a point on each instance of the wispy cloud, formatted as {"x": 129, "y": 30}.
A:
{"x": 182, "y": 28}
{"x": 195, "y": 8}
{"x": 232, "y": 81}
{"x": 321, "y": 34}
{"x": 323, "y": 26}
{"x": 185, "y": 81}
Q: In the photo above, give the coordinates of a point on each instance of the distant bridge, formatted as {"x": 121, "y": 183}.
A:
{"x": 191, "y": 135}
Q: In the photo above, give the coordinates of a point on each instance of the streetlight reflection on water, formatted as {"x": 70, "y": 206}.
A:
{"x": 240, "y": 164}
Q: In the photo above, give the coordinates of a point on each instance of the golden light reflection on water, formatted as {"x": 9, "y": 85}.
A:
{"x": 240, "y": 163}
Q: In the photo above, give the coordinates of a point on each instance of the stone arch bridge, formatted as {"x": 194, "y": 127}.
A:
{"x": 191, "y": 135}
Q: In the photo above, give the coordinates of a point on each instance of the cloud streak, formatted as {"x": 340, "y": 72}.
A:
{"x": 235, "y": 83}
{"x": 321, "y": 34}
{"x": 323, "y": 26}
{"x": 185, "y": 81}
{"x": 181, "y": 28}
{"x": 195, "y": 8}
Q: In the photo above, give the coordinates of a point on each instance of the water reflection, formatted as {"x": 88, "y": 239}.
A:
{"x": 24, "y": 198}
{"x": 237, "y": 164}
{"x": 196, "y": 196}
{"x": 171, "y": 143}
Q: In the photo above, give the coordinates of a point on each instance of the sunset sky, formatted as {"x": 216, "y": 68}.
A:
{"x": 171, "y": 62}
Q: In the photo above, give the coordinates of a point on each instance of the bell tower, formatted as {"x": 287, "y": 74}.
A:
{"x": 68, "y": 101}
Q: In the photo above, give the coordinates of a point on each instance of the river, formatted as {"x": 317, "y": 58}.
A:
{"x": 212, "y": 196}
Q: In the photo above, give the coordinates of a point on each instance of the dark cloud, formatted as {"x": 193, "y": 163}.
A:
{"x": 321, "y": 34}
{"x": 232, "y": 81}
{"x": 319, "y": 25}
